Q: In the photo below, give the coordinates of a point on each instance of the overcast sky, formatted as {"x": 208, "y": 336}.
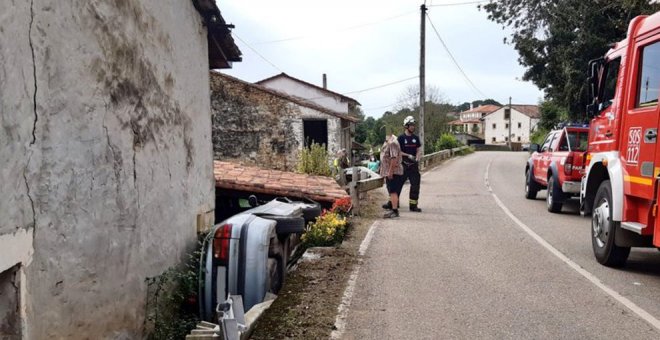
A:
{"x": 362, "y": 44}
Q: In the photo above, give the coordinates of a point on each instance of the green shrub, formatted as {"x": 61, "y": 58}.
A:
{"x": 447, "y": 141}
{"x": 314, "y": 160}
{"x": 172, "y": 301}
{"x": 327, "y": 230}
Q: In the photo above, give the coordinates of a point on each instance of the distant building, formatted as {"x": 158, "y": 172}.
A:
{"x": 470, "y": 121}
{"x": 523, "y": 120}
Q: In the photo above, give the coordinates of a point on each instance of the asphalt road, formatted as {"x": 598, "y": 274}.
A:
{"x": 464, "y": 268}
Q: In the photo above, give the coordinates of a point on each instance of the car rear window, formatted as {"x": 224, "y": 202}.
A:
{"x": 578, "y": 140}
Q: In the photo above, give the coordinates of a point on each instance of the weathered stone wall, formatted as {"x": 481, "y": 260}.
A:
{"x": 106, "y": 156}
{"x": 255, "y": 127}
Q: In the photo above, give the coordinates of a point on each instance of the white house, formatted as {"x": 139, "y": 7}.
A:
{"x": 523, "y": 120}
{"x": 470, "y": 121}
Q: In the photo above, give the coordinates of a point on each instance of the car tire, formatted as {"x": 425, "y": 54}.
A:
{"x": 288, "y": 224}
{"x": 531, "y": 187}
{"x": 554, "y": 196}
{"x": 603, "y": 230}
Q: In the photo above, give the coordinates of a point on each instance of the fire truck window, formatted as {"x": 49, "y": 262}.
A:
{"x": 649, "y": 81}
{"x": 609, "y": 85}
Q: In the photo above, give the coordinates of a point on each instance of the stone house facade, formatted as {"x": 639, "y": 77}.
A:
{"x": 321, "y": 96}
{"x": 106, "y": 157}
{"x": 255, "y": 125}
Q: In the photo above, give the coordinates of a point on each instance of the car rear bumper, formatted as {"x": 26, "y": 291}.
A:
{"x": 571, "y": 187}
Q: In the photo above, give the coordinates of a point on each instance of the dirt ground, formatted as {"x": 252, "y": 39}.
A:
{"x": 306, "y": 306}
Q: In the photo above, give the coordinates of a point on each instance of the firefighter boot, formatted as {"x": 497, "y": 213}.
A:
{"x": 414, "y": 207}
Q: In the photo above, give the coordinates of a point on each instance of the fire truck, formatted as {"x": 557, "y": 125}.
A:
{"x": 620, "y": 187}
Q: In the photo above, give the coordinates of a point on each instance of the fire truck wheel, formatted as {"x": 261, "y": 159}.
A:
{"x": 553, "y": 197}
{"x": 531, "y": 187}
{"x": 603, "y": 230}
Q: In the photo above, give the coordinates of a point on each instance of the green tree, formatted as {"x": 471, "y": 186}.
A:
{"x": 551, "y": 114}
{"x": 555, "y": 40}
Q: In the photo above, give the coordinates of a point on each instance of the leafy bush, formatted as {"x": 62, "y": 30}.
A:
{"x": 538, "y": 135}
{"x": 327, "y": 230}
{"x": 172, "y": 300}
{"x": 314, "y": 160}
{"x": 447, "y": 141}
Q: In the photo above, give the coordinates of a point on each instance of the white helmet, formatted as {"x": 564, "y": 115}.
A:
{"x": 409, "y": 120}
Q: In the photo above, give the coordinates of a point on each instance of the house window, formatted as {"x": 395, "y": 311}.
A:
{"x": 315, "y": 131}
{"x": 519, "y": 138}
{"x": 507, "y": 113}
{"x": 494, "y": 126}
{"x": 506, "y": 126}
{"x": 506, "y": 139}
{"x": 519, "y": 125}
{"x": 493, "y": 139}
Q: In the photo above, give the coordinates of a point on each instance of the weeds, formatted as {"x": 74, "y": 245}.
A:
{"x": 314, "y": 160}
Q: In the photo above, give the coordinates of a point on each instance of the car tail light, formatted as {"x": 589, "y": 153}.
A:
{"x": 221, "y": 243}
{"x": 568, "y": 165}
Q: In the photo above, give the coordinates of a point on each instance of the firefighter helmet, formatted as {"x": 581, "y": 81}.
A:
{"x": 410, "y": 120}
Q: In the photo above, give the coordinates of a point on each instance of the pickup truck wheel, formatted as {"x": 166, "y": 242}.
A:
{"x": 603, "y": 230}
{"x": 554, "y": 193}
{"x": 531, "y": 187}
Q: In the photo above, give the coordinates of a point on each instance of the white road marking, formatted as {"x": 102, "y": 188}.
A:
{"x": 342, "y": 310}
{"x": 592, "y": 278}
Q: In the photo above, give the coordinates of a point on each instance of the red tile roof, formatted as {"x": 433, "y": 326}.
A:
{"x": 483, "y": 109}
{"x": 274, "y": 182}
{"x": 528, "y": 110}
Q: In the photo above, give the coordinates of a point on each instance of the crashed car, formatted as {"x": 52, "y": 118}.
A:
{"x": 247, "y": 253}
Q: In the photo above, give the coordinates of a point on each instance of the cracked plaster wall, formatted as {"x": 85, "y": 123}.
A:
{"x": 254, "y": 127}
{"x": 106, "y": 155}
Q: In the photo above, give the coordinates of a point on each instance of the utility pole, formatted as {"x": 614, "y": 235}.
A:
{"x": 422, "y": 82}
{"x": 510, "y": 122}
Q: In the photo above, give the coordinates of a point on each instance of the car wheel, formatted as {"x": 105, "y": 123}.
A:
{"x": 288, "y": 224}
{"x": 603, "y": 230}
{"x": 553, "y": 197}
{"x": 531, "y": 187}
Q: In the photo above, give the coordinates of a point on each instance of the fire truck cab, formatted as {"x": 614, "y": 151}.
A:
{"x": 620, "y": 187}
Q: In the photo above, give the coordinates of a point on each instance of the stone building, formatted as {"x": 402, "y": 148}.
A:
{"x": 106, "y": 157}
{"x": 255, "y": 125}
{"x": 523, "y": 120}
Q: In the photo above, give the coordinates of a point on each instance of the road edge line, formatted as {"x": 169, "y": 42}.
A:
{"x": 646, "y": 316}
{"x": 346, "y": 299}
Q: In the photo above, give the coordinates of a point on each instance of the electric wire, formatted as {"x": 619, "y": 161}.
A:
{"x": 470, "y": 83}
{"x": 257, "y": 53}
{"x": 459, "y": 4}
{"x": 381, "y": 86}
{"x": 338, "y": 30}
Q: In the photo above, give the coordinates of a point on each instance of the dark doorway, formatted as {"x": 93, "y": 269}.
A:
{"x": 315, "y": 131}
{"x": 10, "y": 317}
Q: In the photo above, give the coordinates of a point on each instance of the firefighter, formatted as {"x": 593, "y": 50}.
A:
{"x": 412, "y": 153}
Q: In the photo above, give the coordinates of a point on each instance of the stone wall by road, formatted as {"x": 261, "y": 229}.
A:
{"x": 254, "y": 126}
{"x": 106, "y": 157}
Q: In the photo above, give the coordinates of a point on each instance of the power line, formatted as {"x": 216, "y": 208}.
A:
{"x": 459, "y": 4}
{"x": 474, "y": 87}
{"x": 381, "y": 86}
{"x": 255, "y": 51}
{"x": 335, "y": 31}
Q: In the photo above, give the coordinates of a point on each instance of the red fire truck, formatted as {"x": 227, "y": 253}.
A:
{"x": 620, "y": 187}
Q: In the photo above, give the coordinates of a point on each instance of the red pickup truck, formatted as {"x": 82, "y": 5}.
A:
{"x": 557, "y": 165}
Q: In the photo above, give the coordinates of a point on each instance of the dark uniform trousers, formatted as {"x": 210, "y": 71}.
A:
{"x": 411, "y": 172}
